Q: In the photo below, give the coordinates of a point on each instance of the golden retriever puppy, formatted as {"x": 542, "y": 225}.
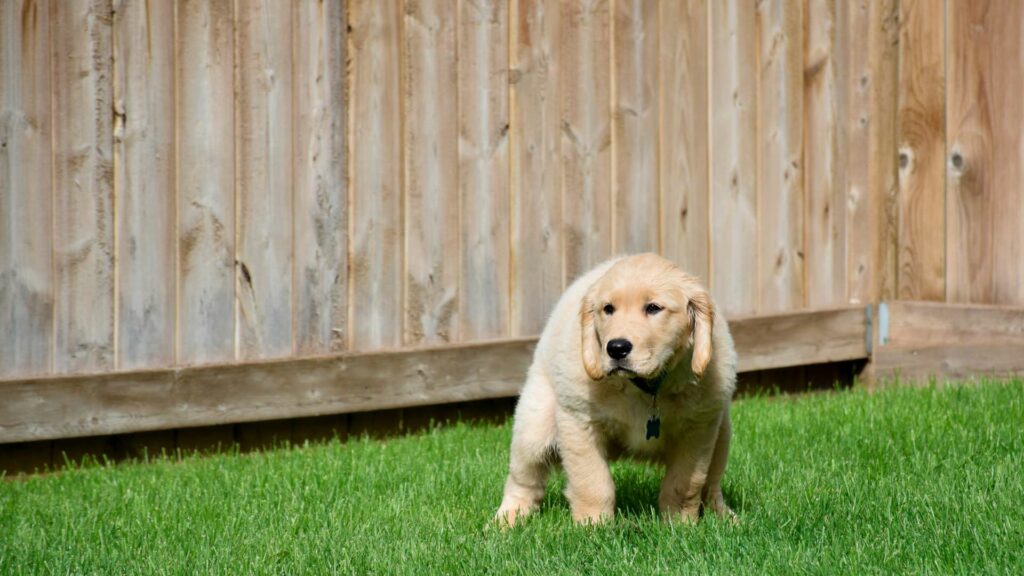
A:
{"x": 633, "y": 361}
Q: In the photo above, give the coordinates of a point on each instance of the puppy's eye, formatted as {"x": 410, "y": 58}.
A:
{"x": 609, "y": 309}
{"x": 652, "y": 309}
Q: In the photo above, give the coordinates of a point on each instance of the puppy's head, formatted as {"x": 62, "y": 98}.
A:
{"x": 641, "y": 317}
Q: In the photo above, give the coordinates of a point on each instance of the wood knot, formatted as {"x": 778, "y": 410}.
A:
{"x": 246, "y": 275}
{"x": 957, "y": 160}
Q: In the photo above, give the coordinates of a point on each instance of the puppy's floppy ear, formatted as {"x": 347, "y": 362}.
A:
{"x": 590, "y": 345}
{"x": 702, "y": 317}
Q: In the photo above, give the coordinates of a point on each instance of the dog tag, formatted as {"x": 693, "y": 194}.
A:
{"x": 653, "y": 427}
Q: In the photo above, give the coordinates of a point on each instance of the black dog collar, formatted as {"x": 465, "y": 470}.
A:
{"x": 649, "y": 387}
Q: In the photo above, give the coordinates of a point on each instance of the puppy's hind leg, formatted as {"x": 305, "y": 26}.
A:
{"x": 533, "y": 446}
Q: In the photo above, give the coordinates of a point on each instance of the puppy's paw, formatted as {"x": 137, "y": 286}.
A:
{"x": 509, "y": 514}
{"x": 687, "y": 516}
{"x": 728, "y": 515}
{"x": 592, "y": 517}
{"x": 719, "y": 508}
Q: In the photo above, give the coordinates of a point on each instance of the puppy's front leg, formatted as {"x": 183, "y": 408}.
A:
{"x": 591, "y": 491}
{"x": 533, "y": 438}
{"x": 687, "y": 473}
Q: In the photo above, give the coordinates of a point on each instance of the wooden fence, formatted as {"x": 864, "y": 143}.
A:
{"x": 218, "y": 182}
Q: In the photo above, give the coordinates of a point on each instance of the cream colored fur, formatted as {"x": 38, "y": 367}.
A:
{"x": 576, "y": 408}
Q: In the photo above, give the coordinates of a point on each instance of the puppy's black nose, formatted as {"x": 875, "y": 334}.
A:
{"x": 619, "y": 348}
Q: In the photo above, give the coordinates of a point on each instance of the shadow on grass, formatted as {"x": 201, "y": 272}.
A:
{"x": 636, "y": 495}
{"x": 636, "y": 492}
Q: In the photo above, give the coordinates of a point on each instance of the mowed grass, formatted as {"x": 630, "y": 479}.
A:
{"x": 905, "y": 480}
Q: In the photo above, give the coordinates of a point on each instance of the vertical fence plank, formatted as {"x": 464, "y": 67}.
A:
{"x": 733, "y": 143}
{"x": 968, "y": 209}
{"x": 263, "y": 151}
{"x": 321, "y": 176}
{"x": 144, "y": 161}
{"x": 869, "y": 138}
{"x": 26, "y": 248}
{"x": 883, "y": 188}
{"x": 376, "y": 177}
{"x": 206, "y": 181}
{"x": 83, "y": 185}
{"x": 780, "y": 170}
{"x": 431, "y": 172}
{"x": 855, "y": 86}
{"x": 825, "y": 220}
{"x": 683, "y": 62}
{"x": 483, "y": 167}
{"x": 635, "y": 125}
{"x": 985, "y": 238}
{"x": 842, "y": 93}
{"x": 536, "y": 185}
{"x": 586, "y": 134}
{"x": 922, "y": 151}
{"x": 1006, "y": 74}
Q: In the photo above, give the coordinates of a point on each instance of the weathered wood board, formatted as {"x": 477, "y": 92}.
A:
{"x": 83, "y": 185}
{"x": 780, "y": 171}
{"x": 585, "y": 94}
{"x": 205, "y": 116}
{"x": 26, "y": 190}
{"x": 825, "y": 204}
{"x": 733, "y": 157}
{"x": 431, "y": 165}
{"x": 375, "y": 179}
{"x": 145, "y": 179}
{"x": 263, "y": 189}
{"x": 683, "y": 145}
{"x": 922, "y": 141}
{"x": 483, "y": 93}
{"x": 536, "y": 163}
{"x": 321, "y": 177}
{"x": 84, "y": 405}
{"x": 635, "y": 118}
{"x": 984, "y": 237}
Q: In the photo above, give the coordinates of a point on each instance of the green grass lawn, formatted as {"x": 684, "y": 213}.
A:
{"x": 905, "y": 480}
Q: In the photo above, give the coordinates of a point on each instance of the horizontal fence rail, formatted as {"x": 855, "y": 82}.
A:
{"x": 87, "y": 405}
{"x": 924, "y": 340}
